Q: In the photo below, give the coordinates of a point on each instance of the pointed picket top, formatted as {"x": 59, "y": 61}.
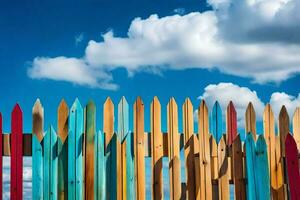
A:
{"x": 108, "y": 120}
{"x": 231, "y": 123}
{"x": 250, "y": 166}
{"x": 76, "y": 105}
{"x": 62, "y": 120}
{"x": 155, "y": 103}
{"x": 284, "y": 129}
{"x": 123, "y": 118}
{"x": 91, "y": 104}
{"x": 63, "y": 106}
{"x": 38, "y": 119}
{"x": 296, "y": 127}
{"x": 188, "y": 118}
{"x": 250, "y": 118}
{"x": 217, "y": 122}
{"x": 17, "y": 109}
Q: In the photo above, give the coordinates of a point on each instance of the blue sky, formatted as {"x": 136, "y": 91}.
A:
{"x": 216, "y": 50}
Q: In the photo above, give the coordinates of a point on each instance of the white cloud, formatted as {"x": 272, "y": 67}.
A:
{"x": 280, "y": 98}
{"x": 258, "y": 39}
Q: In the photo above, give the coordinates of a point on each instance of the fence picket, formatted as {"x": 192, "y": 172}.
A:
{"x": 292, "y": 167}
{"x": 204, "y": 153}
{"x": 250, "y": 167}
{"x": 16, "y": 161}
{"x": 296, "y": 127}
{"x": 250, "y": 117}
{"x": 50, "y": 164}
{"x": 100, "y": 173}
{"x": 223, "y": 180}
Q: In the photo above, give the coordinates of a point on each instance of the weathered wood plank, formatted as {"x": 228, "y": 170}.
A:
{"x": 174, "y": 150}
{"x": 283, "y": 128}
{"x": 250, "y": 118}
{"x": 250, "y": 167}
{"x": 16, "y": 172}
{"x": 37, "y": 169}
{"x": 157, "y": 150}
{"x": 38, "y": 120}
{"x": 205, "y": 192}
{"x": 231, "y": 123}
{"x": 62, "y": 133}
{"x": 296, "y": 127}
{"x": 292, "y": 167}
{"x": 188, "y": 131}
{"x": 139, "y": 149}
{"x": 100, "y": 167}
{"x": 217, "y": 122}
{"x": 223, "y": 170}
{"x": 90, "y": 150}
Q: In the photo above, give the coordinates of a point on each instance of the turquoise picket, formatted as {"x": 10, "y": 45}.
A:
{"x": 124, "y": 134}
{"x": 75, "y": 140}
{"x": 262, "y": 170}
{"x": 250, "y": 167}
{"x": 216, "y": 122}
{"x": 100, "y": 169}
{"x": 111, "y": 168}
{"x": 50, "y": 165}
{"x": 37, "y": 169}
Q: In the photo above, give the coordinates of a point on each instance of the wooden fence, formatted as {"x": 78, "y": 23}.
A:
{"x": 76, "y": 162}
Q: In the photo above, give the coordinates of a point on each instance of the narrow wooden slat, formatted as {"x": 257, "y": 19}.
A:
{"x": 217, "y": 122}
{"x": 231, "y": 123}
{"x": 157, "y": 150}
{"x": 223, "y": 178}
{"x": 250, "y": 118}
{"x": 262, "y": 169}
{"x": 292, "y": 167}
{"x": 205, "y": 192}
{"x": 75, "y": 139}
{"x": 130, "y": 189}
{"x": 37, "y": 169}
{"x": 16, "y": 172}
{"x": 296, "y": 127}
{"x": 100, "y": 173}
{"x": 250, "y": 167}
{"x": 62, "y": 133}
{"x": 38, "y": 120}
{"x": 188, "y": 131}
{"x": 50, "y": 164}
{"x": 174, "y": 150}
{"x": 110, "y": 150}
{"x": 237, "y": 164}
{"x": 1, "y": 154}
{"x": 139, "y": 159}
{"x": 90, "y": 150}
{"x": 283, "y": 128}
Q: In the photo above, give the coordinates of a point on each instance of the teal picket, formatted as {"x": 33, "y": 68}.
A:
{"x": 100, "y": 169}
{"x": 50, "y": 164}
{"x": 262, "y": 170}
{"x": 37, "y": 169}
{"x": 111, "y": 168}
{"x": 217, "y": 122}
{"x": 75, "y": 138}
{"x": 123, "y": 119}
{"x": 250, "y": 167}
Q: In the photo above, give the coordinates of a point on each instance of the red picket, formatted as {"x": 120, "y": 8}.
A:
{"x": 16, "y": 172}
{"x": 231, "y": 123}
{"x": 291, "y": 154}
{"x": 1, "y": 161}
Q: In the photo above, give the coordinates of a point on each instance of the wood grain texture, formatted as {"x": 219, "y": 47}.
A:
{"x": 139, "y": 160}
{"x": 16, "y": 161}
{"x": 75, "y": 153}
{"x": 250, "y": 167}
{"x": 231, "y": 122}
{"x": 296, "y": 127}
{"x": 223, "y": 178}
{"x": 237, "y": 165}
{"x": 37, "y": 169}
{"x": 38, "y": 120}
{"x": 62, "y": 133}
{"x": 250, "y": 119}
{"x": 100, "y": 167}
{"x": 156, "y": 150}
{"x": 292, "y": 167}
{"x": 188, "y": 131}
{"x": 110, "y": 150}
{"x": 50, "y": 164}
{"x": 283, "y": 128}
{"x": 174, "y": 150}
{"x": 90, "y": 150}
{"x": 217, "y": 122}
{"x": 205, "y": 192}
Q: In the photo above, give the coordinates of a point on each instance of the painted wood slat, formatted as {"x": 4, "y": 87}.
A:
{"x": 188, "y": 131}
{"x": 50, "y": 164}
{"x": 231, "y": 123}
{"x": 62, "y": 133}
{"x": 296, "y": 127}
{"x": 237, "y": 164}
{"x": 37, "y": 169}
{"x": 283, "y": 128}
{"x": 38, "y": 120}
{"x": 217, "y": 122}
{"x": 1, "y": 156}
{"x": 204, "y": 153}
{"x": 174, "y": 150}
{"x": 157, "y": 150}
{"x": 250, "y": 167}
{"x": 262, "y": 169}
{"x": 250, "y": 118}
{"x": 292, "y": 167}
{"x": 75, "y": 137}
{"x": 100, "y": 173}
{"x": 130, "y": 184}
{"x": 110, "y": 150}
{"x": 90, "y": 112}
{"x": 16, "y": 172}
{"x": 223, "y": 179}
{"x": 139, "y": 160}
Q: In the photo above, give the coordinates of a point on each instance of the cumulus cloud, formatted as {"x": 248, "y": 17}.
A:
{"x": 280, "y": 98}
{"x": 257, "y": 39}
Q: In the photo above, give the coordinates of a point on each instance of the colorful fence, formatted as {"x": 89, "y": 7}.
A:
{"x": 77, "y": 162}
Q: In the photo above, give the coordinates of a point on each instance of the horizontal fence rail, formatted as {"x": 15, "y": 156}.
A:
{"x": 76, "y": 161}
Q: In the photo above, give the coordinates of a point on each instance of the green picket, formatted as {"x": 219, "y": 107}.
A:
{"x": 100, "y": 169}
{"x": 37, "y": 169}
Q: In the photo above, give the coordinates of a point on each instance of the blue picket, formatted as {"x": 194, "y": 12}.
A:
{"x": 75, "y": 138}
{"x": 250, "y": 167}
{"x": 262, "y": 170}
{"x": 37, "y": 169}
{"x": 100, "y": 169}
{"x": 123, "y": 119}
{"x": 216, "y": 122}
{"x": 50, "y": 165}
